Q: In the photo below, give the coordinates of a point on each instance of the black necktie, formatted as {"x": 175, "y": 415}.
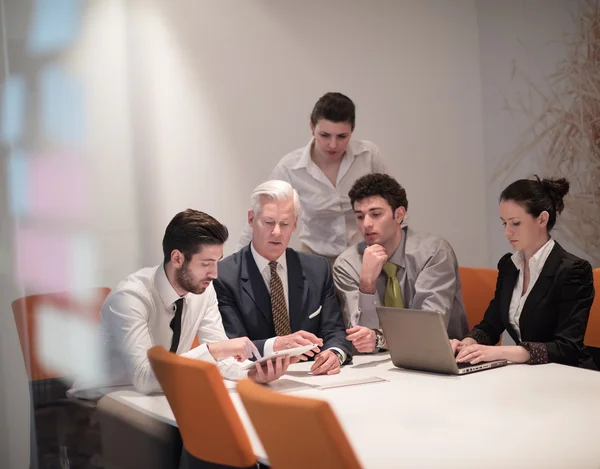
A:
{"x": 176, "y": 325}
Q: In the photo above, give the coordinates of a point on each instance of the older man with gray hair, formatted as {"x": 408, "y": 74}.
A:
{"x": 276, "y": 296}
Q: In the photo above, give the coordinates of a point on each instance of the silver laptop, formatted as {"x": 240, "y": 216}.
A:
{"x": 418, "y": 340}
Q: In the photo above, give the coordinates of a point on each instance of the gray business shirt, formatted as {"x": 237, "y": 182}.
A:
{"x": 428, "y": 277}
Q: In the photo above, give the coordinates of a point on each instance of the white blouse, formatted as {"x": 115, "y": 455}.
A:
{"x": 536, "y": 264}
{"x": 327, "y": 222}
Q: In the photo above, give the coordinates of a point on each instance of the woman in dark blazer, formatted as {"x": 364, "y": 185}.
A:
{"x": 543, "y": 293}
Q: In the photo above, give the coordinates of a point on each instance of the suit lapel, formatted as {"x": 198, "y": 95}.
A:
{"x": 254, "y": 285}
{"x": 543, "y": 283}
{"x": 297, "y": 289}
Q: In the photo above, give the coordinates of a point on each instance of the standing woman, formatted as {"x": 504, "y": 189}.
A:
{"x": 543, "y": 293}
{"x": 322, "y": 173}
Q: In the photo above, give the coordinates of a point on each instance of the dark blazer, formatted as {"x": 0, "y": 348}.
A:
{"x": 245, "y": 303}
{"x": 555, "y": 314}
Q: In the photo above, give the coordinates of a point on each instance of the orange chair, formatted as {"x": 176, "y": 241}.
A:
{"x": 26, "y": 310}
{"x": 48, "y": 386}
{"x": 592, "y": 334}
{"x": 210, "y": 426}
{"x": 270, "y": 412}
{"x": 195, "y": 343}
{"x": 478, "y": 286}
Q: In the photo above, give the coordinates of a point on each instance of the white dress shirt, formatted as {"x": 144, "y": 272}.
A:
{"x": 136, "y": 316}
{"x": 536, "y": 264}
{"x": 265, "y": 271}
{"x": 327, "y": 221}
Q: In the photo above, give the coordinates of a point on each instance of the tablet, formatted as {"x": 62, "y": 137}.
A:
{"x": 292, "y": 352}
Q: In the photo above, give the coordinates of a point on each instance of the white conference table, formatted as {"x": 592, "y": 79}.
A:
{"x": 542, "y": 416}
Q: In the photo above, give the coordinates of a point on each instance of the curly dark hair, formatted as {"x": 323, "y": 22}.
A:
{"x": 382, "y": 185}
{"x": 189, "y": 230}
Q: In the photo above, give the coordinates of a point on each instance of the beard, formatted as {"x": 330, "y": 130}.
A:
{"x": 185, "y": 280}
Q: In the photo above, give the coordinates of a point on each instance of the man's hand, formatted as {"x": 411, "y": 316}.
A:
{"x": 270, "y": 370}
{"x": 241, "y": 349}
{"x": 374, "y": 258}
{"x": 326, "y": 363}
{"x": 363, "y": 338}
{"x": 298, "y": 339}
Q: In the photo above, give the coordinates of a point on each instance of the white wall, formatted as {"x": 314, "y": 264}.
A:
{"x": 225, "y": 89}
{"x": 522, "y": 44}
{"x": 98, "y": 62}
{"x": 101, "y": 62}
{"x": 192, "y": 103}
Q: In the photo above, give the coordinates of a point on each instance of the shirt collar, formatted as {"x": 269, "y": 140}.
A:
{"x": 537, "y": 261}
{"x": 305, "y": 160}
{"x": 263, "y": 263}
{"x": 167, "y": 293}
{"x": 398, "y": 256}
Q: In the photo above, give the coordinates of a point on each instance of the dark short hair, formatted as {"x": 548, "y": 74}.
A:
{"x": 334, "y": 107}
{"x": 382, "y": 185}
{"x": 538, "y": 195}
{"x": 189, "y": 230}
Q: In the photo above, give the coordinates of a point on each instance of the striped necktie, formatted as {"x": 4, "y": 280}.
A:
{"x": 281, "y": 318}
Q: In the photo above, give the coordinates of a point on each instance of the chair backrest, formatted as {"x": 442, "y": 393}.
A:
{"x": 592, "y": 334}
{"x": 210, "y": 426}
{"x": 271, "y": 412}
{"x": 478, "y": 287}
{"x": 26, "y": 312}
{"x": 195, "y": 343}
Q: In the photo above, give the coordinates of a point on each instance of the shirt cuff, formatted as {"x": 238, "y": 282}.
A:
{"x": 538, "y": 353}
{"x": 341, "y": 352}
{"x": 479, "y": 336}
{"x": 228, "y": 367}
{"x": 232, "y": 370}
{"x": 268, "y": 347}
{"x": 200, "y": 353}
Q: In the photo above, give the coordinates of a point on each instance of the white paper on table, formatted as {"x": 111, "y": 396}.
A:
{"x": 281, "y": 385}
{"x": 289, "y": 385}
{"x": 351, "y": 382}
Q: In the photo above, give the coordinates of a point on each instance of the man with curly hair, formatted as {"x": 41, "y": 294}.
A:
{"x": 394, "y": 266}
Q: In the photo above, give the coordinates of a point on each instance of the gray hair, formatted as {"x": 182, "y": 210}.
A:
{"x": 274, "y": 190}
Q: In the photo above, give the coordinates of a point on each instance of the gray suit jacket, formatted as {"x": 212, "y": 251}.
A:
{"x": 428, "y": 276}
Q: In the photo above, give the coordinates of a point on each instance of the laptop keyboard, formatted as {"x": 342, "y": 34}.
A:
{"x": 464, "y": 365}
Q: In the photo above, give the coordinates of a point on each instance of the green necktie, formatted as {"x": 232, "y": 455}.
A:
{"x": 393, "y": 294}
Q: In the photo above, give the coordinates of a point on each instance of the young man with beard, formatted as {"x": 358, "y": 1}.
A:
{"x": 170, "y": 305}
{"x": 394, "y": 266}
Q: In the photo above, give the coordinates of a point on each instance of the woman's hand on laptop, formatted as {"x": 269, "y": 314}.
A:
{"x": 476, "y": 353}
{"x": 457, "y": 345}
{"x": 363, "y": 338}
